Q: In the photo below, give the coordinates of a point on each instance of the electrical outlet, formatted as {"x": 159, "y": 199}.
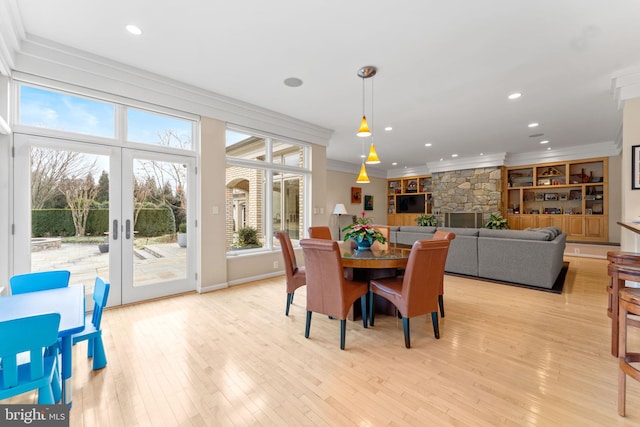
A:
{"x": 576, "y": 250}
{"x": 275, "y": 264}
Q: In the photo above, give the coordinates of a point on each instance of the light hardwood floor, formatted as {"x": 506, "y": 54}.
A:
{"x": 507, "y": 356}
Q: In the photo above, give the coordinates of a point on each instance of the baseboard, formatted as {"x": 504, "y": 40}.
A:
{"x": 587, "y": 250}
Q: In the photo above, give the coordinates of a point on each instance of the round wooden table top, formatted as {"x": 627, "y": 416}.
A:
{"x": 389, "y": 257}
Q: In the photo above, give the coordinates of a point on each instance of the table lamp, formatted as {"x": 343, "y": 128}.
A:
{"x": 339, "y": 210}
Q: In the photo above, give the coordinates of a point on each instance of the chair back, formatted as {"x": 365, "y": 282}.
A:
{"x": 28, "y": 334}
{"x": 39, "y": 281}
{"x": 320, "y": 232}
{"x": 294, "y": 280}
{"x": 423, "y": 275}
{"x": 325, "y": 277}
{"x": 444, "y": 235}
{"x": 100, "y": 297}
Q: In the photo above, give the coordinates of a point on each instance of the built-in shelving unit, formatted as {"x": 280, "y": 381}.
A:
{"x": 569, "y": 195}
{"x": 407, "y": 198}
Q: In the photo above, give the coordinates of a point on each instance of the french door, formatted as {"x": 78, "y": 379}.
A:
{"x": 145, "y": 195}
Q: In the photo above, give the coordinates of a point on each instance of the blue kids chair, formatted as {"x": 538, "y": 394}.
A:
{"x": 39, "y": 281}
{"x": 92, "y": 332}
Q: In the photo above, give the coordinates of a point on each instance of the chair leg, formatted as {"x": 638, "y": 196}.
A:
{"x": 441, "y": 304}
{"x": 363, "y": 305}
{"x": 45, "y": 395}
{"x": 99, "y": 355}
{"x": 308, "y": 325}
{"x": 343, "y": 330}
{"x": 436, "y": 329}
{"x": 289, "y": 301}
{"x": 90, "y": 344}
{"x": 56, "y": 385}
{"x": 407, "y": 337}
{"x": 372, "y": 308}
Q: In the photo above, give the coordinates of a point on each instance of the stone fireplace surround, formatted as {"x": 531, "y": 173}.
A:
{"x": 467, "y": 191}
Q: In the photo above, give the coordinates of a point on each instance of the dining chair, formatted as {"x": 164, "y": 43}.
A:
{"x": 92, "y": 332}
{"x": 442, "y": 235}
{"x": 296, "y": 276}
{"x": 416, "y": 292}
{"x": 39, "y": 281}
{"x": 37, "y": 335}
{"x": 320, "y": 232}
{"x": 328, "y": 292}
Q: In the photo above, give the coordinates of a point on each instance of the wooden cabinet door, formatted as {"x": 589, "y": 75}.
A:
{"x": 514, "y": 222}
{"x": 574, "y": 225}
{"x": 528, "y": 221}
{"x": 550, "y": 221}
{"x": 594, "y": 226}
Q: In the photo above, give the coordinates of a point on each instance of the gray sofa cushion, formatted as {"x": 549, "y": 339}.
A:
{"x": 552, "y": 232}
{"x": 417, "y": 229}
{"x": 515, "y": 234}
{"x": 460, "y": 231}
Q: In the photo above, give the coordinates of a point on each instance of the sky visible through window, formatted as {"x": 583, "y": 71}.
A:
{"x": 54, "y": 110}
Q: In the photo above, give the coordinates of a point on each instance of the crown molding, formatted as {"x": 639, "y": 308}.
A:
{"x": 625, "y": 84}
{"x": 11, "y": 32}
{"x": 485, "y": 161}
{"x": 346, "y": 167}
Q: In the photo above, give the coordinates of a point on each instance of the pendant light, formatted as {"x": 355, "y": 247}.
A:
{"x": 363, "y": 178}
{"x": 365, "y": 73}
{"x": 372, "y": 159}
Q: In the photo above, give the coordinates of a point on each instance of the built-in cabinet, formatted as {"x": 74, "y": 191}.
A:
{"x": 569, "y": 195}
{"x": 407, "y": 198}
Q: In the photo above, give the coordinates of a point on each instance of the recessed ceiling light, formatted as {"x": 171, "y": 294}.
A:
{"x": 454, "y": 155}
{"x": 293, "y": 82}
{"x": 394, "y": 164}
{"x": 441, "y": 159}
{"x": 548, "y": 148}
{"x": 428, "y": 144}
{"x": 388, "y": 128}
{"x": 134, "y": 29}
{"x": 482, "y": 154}
{"x": 544, "y": 142}
{"x": 515, "y": 95}
{"x": 363, "y": 156}
{"x": 532, "y": 125}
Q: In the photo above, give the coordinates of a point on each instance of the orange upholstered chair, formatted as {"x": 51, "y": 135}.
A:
{"x": 320, "y": 232}
{"x": 442, "y": 235}
{"x": 296, "y": 276}
{"x": 416, "y": 292}
{"x": 328, "y": 292}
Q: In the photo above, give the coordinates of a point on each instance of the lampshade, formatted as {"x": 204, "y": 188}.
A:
{"x": 364, "y": 128}
{"x": 373, "y": 156}
{"x": 339, "y": 209}
{"x": 363, "y": 178}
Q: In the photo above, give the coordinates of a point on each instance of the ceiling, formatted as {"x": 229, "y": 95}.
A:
{"x": 445, "y": 69}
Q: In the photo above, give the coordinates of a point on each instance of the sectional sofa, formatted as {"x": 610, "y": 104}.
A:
{"x": 532, "y": 257}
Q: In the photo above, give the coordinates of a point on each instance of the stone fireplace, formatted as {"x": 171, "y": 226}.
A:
{"x": 467, "y": 191}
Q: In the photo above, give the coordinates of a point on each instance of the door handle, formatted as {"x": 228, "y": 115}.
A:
{"x": 114, "y": 234}
{"x": 128, "y": 229}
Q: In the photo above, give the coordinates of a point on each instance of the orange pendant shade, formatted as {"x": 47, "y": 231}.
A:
{"x": 364, "y": 128}
{"x": 373, "y": 156}
{"x": 363, "y": 178}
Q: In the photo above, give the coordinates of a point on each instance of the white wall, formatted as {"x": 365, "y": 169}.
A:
{"x": 629, "y": 241}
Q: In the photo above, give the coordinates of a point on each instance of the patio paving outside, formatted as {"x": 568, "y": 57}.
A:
{"x": 152, "y": 263}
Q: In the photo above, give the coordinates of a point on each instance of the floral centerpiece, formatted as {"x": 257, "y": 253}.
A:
{"x": 363, "y": 233}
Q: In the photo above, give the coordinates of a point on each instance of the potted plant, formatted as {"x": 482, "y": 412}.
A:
{"x": 496, "y": 222}
{"x": 427, "y": 220}
{"x": 182, "y": 235}
{"x": 363, "y": 233}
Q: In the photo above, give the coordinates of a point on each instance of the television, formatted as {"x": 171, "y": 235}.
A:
{"x": 411, "y": 203}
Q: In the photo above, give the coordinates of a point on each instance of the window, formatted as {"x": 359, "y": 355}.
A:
{"x": 64, "y": 112}
{"x": 159, "y": 129}
{"x": 266, "y": 180}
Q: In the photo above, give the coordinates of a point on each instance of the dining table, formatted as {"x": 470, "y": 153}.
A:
{"x": 69, "y": 302}
{"x": 380, "y": 261}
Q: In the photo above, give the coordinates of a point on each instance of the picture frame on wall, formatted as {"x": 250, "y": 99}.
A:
{"x": 635, "y": 167}
{"x": 356, "y": 195}
{"x": 368, "y": 202}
